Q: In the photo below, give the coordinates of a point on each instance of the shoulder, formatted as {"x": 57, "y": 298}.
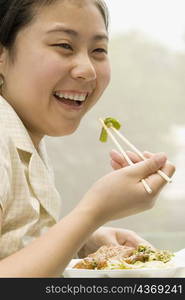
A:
{"x": 6, "y": 144}
{"x": 6, "y": 158}
{"x": 5, "y": 171}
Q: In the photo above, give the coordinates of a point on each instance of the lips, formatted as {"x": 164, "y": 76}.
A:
{"x": 76, "y": 96}
{"x": 69, "y": 101}
{"x": 71, "y": 98}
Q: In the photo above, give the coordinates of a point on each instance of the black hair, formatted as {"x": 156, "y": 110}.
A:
{"x": 16, "y": 14}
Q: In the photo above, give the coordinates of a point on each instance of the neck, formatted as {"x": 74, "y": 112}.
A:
{"x": 36, "y": 139}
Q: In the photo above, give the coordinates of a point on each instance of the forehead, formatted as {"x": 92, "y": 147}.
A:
{"x": 78, "y": 15}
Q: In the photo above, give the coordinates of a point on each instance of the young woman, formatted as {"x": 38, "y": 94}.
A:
{"x": 53, "y": 68}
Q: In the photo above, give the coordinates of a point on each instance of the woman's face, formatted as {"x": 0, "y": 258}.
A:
{"x": 62, "y": 55}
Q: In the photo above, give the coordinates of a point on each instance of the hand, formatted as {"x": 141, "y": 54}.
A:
{"x": 111, "y": 236}
{"x": 121, "y": 192}
{"x": 118, "y": 161}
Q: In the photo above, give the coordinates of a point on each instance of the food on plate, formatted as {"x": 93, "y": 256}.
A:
{"x": 109, "y": 122}
{"x": 123, "y": 257}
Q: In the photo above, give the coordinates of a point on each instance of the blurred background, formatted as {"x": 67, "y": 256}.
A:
{"x": 147, "y": 95}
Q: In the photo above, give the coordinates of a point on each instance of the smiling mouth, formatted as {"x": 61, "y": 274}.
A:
{"x": 73, "y": 100}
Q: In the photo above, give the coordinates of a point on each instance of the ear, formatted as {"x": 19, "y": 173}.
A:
{"x": 3, "y": 54}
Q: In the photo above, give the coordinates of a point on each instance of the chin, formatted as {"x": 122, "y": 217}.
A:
{"x": 63, "y": 131}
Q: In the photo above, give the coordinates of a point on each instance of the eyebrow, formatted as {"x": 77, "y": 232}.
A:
{"x": 71, "y": 32}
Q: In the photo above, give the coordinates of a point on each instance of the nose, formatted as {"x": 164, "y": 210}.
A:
{"x": 83, "y": 68}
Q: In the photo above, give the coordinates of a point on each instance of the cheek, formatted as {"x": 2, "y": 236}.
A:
{"x": 47, "y": 73}
{"x": 43, "y": 74}
{"x": 35, "y": 79}
{"x": 105, "y": 76}
{"x": 103, "y": 79}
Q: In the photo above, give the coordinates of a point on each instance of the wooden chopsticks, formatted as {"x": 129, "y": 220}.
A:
{"x": 124, "y": 139}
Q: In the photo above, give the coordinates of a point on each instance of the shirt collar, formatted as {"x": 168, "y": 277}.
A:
{"x": 15, "y": 127}
{"x": 44, "y": 187}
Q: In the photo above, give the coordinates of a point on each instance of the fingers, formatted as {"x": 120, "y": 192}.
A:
{"x": 146, "y": 243}
{"x": 145, "y": 169}
{"x": 131, "y": 238}
{"x": 118, "y": 161}
{"x": 148, "y": 154}
{"x": 168, "y": 167}
{"x": 156, "y": 181}
{"x": 115, "y": 165}
{"x": 140, "y": 241}
{"x": 150, "y": 166}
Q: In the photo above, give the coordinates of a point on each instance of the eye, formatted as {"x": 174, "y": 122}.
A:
{"x": 64, "y": 45}
{"x": 101, "y": 50}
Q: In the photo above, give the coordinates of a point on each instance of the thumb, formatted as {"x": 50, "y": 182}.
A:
{"x": 149, "y": 166}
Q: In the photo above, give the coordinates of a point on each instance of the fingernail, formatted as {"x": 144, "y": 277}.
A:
{"x": 160, "y": 158}
{"x": 114, "y": 150}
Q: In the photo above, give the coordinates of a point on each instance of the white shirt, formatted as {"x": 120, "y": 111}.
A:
{"x": 29, "y": 200}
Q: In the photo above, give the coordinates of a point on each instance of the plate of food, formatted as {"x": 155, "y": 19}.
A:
{"x": 123, "y": 261}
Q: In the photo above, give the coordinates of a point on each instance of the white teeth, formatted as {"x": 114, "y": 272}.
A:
{"x": 66, "y": 96}
{"x": 75, "y": 97}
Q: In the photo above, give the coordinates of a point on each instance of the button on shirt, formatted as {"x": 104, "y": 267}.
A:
{"x": 29, "y": 201}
